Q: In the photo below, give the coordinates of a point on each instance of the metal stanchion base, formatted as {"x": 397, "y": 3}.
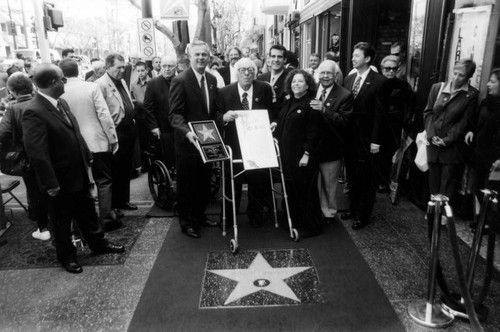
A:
{"x": 456, "y": 308}
{"x": 434, "y": 317}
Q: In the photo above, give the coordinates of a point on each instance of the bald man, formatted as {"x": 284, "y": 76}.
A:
{"x": 336, "y": 105}
{"x": 61, "y": 160}
{"x": 156, "y": 107}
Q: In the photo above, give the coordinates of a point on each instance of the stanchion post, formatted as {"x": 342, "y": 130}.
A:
{"x": 427, "y": 312}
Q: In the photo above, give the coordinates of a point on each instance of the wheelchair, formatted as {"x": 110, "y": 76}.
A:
{"x": 162, "y": 177}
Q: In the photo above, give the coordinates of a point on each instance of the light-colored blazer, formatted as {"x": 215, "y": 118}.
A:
{"x": 87, "y": 104}
{"x": 113, "y": 97}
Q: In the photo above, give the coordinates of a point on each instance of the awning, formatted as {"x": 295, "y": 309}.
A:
{"x": 275, "y": 7}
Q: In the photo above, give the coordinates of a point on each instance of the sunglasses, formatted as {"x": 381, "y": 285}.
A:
{"x": 391, "y": 68}
{"x": 396, "y": 54}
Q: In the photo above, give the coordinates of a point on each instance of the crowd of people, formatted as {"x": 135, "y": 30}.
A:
{"x": 80, "y": 136}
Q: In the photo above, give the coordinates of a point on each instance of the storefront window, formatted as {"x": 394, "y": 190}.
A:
{"x": 415, "y": 41}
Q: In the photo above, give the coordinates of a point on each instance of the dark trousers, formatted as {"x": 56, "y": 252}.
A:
{"x": 442, "y": 178}
{"x": 193, "y": 189}
{"x": 144, "y": 136}
{"x": 120, "y": 171}
{"x": 101, "y": 170}
{"x": 78, "y": 206}
{"x": 259, "y": 191}
{"x": 38, "y": 201}
{"x": 364, "y": 179}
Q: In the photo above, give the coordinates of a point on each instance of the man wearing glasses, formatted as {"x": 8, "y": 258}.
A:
{"x": 336, "y": 105}
{"x": 246, "y": 94}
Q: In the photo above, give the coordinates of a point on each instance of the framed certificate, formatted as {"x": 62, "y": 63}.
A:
{"x": 256, "y": 139}
{"x": 210, "y": 143}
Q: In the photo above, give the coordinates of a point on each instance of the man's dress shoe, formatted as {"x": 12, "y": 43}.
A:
{"x": 356, "y": 225}
{"x": 191, "y": 232}
{"x": 118, "y": 213}
{"x": 110, "y": 248}
{"x": 72, "y": 267}
{"x": 128, "y": 206}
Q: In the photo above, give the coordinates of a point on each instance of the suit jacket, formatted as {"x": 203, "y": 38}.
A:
{"x": 225, "y": 72}
{"x": 186, "y": 105}
{"x": 279, "y": 90}
{"x": 230, "y": 100}
{"x": 113, "y": 97}
{"x": 157, "y": 104}
{"x": 447, "y": 118}
{"x": 55, "y": 148}
{"x": 336, "y": 119}
{"x": 87, "y": 104}
{"x": 368, "y": 117}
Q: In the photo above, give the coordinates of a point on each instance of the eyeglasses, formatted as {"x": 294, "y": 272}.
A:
{"x": 243, "y": 70}
{"x": 169, "y": 66}
{"x": 396, "y": 54}
{"x": 326, "y": 73}
{"x": 394, "y": 69}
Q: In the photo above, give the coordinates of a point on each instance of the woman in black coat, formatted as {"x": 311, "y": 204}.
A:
{"x": 485, "y": 138}
{"x": 399, "y": 113}
{"x": 298, "y": 132}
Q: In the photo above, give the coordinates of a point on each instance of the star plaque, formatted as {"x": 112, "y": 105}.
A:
{"x": 210, "y": 144}
{"x": 260, "y": 278}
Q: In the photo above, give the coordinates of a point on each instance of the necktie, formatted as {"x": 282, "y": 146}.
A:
{"x": 204, "y": 92}
{"x": 273, "y": 80}
{"x": 323, "y": 95}
{"x": 355, "y": 88}
{"x": 244, "y": 101}
{"x": 63, "y": 112}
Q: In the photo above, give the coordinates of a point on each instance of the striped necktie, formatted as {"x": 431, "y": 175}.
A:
{"x": 244, "y": 101}
{"x": 355, "y": 88}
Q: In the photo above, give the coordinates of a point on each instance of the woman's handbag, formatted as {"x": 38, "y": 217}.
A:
{"x": 421, "y": 157}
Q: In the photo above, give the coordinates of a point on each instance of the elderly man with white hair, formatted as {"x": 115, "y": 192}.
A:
{"x": 98, "y": 69}
{"x": 247, "y": 94}
{"x": 336, "y": 105}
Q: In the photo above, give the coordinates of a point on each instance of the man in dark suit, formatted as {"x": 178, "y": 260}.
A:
{"x": 157, "y": 106}
{"x": 228, "y": 72}
{"x": 276, "y": 77}
{"x": 335, "y": 104}
{"x": 246, "y": 94}
{"x": 61, "y": 160}
{"x": 193, "y": 97}
{"x": 367, "y": 132}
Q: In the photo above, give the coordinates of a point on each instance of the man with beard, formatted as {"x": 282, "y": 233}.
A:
{"x": 228, "y": 72}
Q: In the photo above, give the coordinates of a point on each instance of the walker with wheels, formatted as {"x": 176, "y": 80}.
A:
{"x": 234, "y": 244}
